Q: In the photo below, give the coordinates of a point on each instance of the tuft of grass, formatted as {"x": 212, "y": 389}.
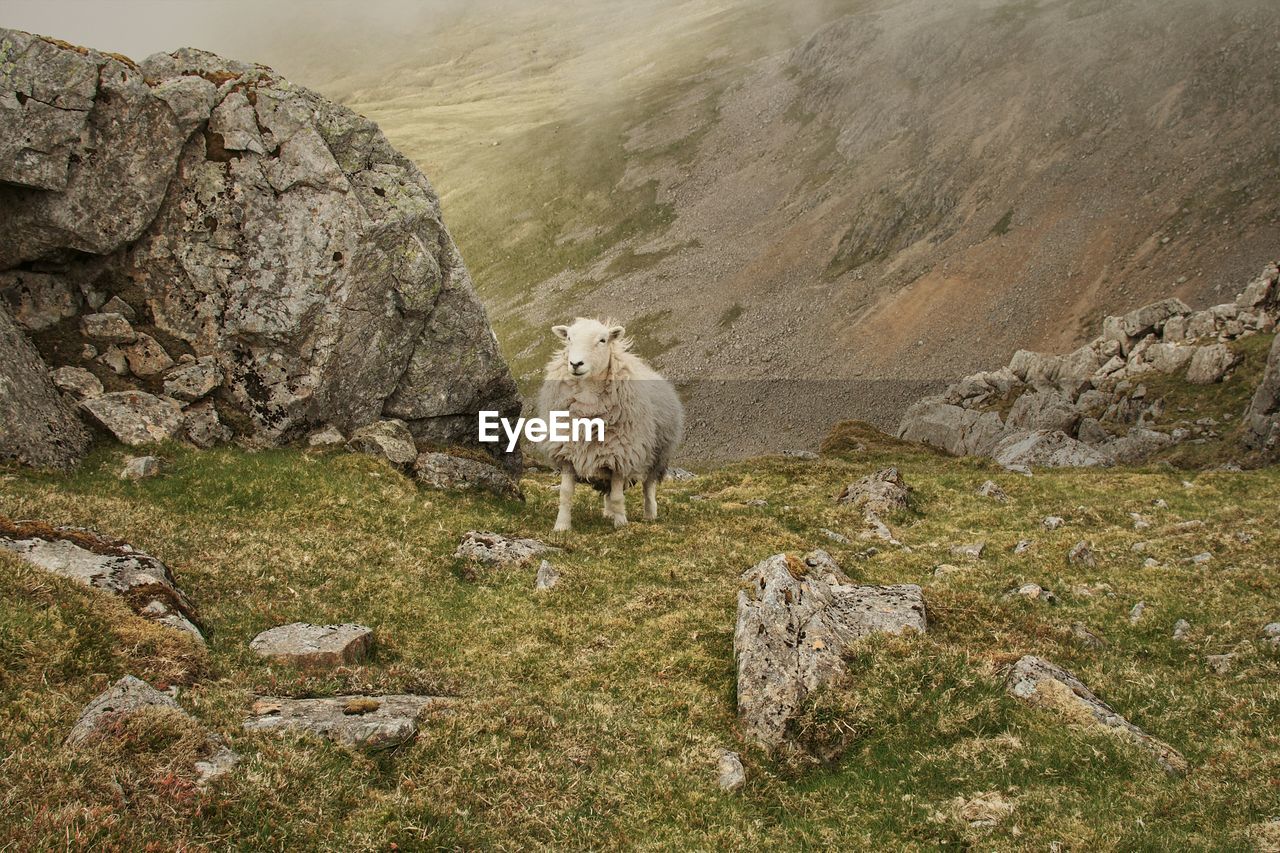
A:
{"x": 592, "y": 715}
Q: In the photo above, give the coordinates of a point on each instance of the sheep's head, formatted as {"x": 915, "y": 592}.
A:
{"x": 588, "y": 344}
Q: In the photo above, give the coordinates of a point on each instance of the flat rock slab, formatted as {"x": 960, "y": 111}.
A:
{"x": 495, "y": 549}
{"x": 362, "y": 722}
{"x": 135, "y": 417}
{"x": 131, "y": 695}
{"x": 315, "y": 645}
{"x": 143, "y": 581}
{"x": 443, "y": 471}
{"x": 1042, "y": 684}
{"x": 389, "y": 439}
{"x": 795, "y": 619}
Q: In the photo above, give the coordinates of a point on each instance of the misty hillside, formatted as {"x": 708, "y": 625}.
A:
{"x": 875, "y": 190}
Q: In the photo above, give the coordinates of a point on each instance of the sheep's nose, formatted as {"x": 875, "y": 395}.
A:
{"x": 576, "y": 364}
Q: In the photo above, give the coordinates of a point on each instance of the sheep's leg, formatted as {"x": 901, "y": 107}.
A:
{"x": 608, "y": 505}
{"x": 618, "y": 500}
{"x": 564, "y": 518}
{"x": 651, "y": 499}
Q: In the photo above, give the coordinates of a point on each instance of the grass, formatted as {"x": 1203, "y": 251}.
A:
{"x": 590, "y": 716}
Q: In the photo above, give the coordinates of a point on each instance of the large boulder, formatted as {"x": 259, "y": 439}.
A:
{"x": 1043, "y": 409}
{"x": 135, "y": 417}
{"x": 958, "y": 431}
{"x": 1210, "y": 364}
{"x": 253, "y": 224}
{"x": 795, "y": 620}
{"x": 304, "y": 644}
{"x": 36, "y": 426}
{"x": 1262, "y": 420}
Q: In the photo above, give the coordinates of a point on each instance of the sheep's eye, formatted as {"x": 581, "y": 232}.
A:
{"x": 602, "y": 340}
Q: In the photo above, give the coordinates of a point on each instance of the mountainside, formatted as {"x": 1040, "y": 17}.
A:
{"x": 880, "y": 192}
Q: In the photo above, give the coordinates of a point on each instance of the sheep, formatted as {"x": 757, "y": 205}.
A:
{"x": 595, "y": 375}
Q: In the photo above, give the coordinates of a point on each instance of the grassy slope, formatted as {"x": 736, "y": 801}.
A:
{"x": 591, "y": 715}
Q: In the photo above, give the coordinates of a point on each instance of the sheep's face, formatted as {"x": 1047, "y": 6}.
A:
{"x": 587, "y": 345}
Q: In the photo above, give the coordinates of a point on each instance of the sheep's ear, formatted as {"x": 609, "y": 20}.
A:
{"x": 615, "y": 332}
{"x": 561, "y": 332}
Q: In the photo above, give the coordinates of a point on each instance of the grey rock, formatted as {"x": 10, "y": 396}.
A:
{"x": 991, "y": 489}
{"x": 1092, "y": 403}
{"x": 1168, "y": 357}
{"x": 838, "y": 538}
{"x": 330, "y": 436}
{"x": 443, "y": 471}
{"x": 1151, "y": 318}
{"x": 971, "y": 551}
{"x": 286, "y": 238}
{"x": 1043, "y": 410}
{"x": 1220, "y": 664}
{"x": 881, "y": 493}
{"x": 390, "y": 439}
{"x": 1210, "y": 364}
{"x": 1262, "y": 418}
{"x": 1200, "y": 559}
{"x": 1052, "y": 522}
{"x": 127, "y": 696}
{"x": 1023, "y": 546}
{"x": 38, "y": 301}
{"x": 730, "y": 773}
{"x": 316, "y": 646}
{"x": 494, "y": 549}
{"x": 359, "y": 722}
{"x": 1047, "y": 450}
{"x": 1092, "y": 432}
{"x": 792, "y": 629}
{"x": 135, "y": 417}
{"x": 1136, "y": 445}
{"x": 679, "y": 474}
{"x": 1181, "y": 629}
{"x": 116, "y": 305}
{"x": 76, "y": 381}
{"x": 1081, "y": 554}
{"x": 143, "y": 581}
{"x": 1044, "y": 685}
{"x": 113, "y": 358}
{"x": 1087, "y": 637}
{"x": 107, "y": 328}
{"x": 1136, "y": 612}
{"x": 194, "y": 380}
{"x": 1033, "y": 592}
{"x": 958, "y": 431}
{"x": 946, "y": 570}
{"x": 140, "y": 468}
{"x": 203, "y": 427}
{"x": 145, "y": 356}
{"x": 547, "y": 578}
{"x": 37, "y": 427}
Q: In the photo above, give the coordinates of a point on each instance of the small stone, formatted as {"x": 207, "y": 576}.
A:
{"x": 1181, "y": 629}
{"x": 807, "y": 455}
{"x": 1135, "y": 615}
{"x": 304, "y": 644}
{"x": 146, "y": 357}
{"x": 990, "y": 489}
{"x": 732, "y": 775}
{"x": 1052, "y": 522}
{"x": 1271, "y": 630}
{"x": 1200, "y": 559}
{"x": 946, "y": 570}
{"x": 76, "y": 381}
{"x": 113, "y": 359}
{"x": 389, "y": 720}
{"x": 1150, "y": 563}
{"x": 108, "y": 327}
{"x": 194, "y": 380}
{"x": 1221, "y": 664}
{"x": 755, "y": 502}
{"x": 484, "y": 547}
{"x": 1023, "y": 546}
{"x": 116, "y": 305}
{"x": 389, "y": 439}
{"x": 88, "y": 352}
{"x": 1160, "y": 503}
{"x": 447, "y": 472}
{"x": 1081, "y": 554}
{"x": 1033, "y": 592}
{"x": 1087, "y": 637}
{"x": 140, "y": 468}
{"x": 679, "y": 474}
{"x": 330, "y": 436}
{"x": 548, "y": 577}
{"x": 1139, "y": 523}
{"x": 972, "y": 551}
{"x": 883, "y": 492}
{"x": 838, "y": 538}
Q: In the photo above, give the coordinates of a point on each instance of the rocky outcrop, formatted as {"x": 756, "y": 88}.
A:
{"x": 1043, "y": 685}
{"x": 142, "y": 580}
{"x": 444, "y": 471}
{"x": 36, "y": 427}
{"x": 494, "y": 549}
{"x": 1262, "y": 421}
{"x": 362, "y": 722}
{"x": 795, "y": 619}
{"x": 230, "y": 236}
{"x": 1090, "y": 407}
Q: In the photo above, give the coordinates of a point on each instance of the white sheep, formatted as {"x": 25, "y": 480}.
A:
{"x": 595, "y": 375}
